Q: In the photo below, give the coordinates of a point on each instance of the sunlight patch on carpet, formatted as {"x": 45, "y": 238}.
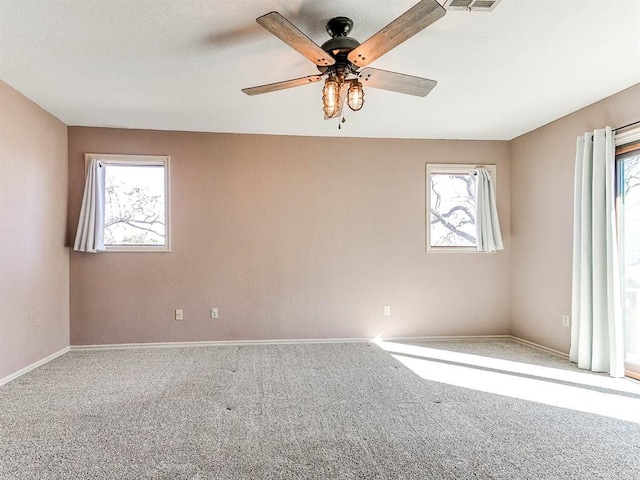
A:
{"x": 468, "y": 371}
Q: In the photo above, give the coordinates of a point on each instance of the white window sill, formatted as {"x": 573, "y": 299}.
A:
{"x": 431, "y": 249}
{"x": 138, "y": 248}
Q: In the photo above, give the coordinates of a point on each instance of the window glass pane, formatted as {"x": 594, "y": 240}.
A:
{"x": 629, "y": 171}
{"x": 134, "y": 205}
{"x": 452, "y": 205}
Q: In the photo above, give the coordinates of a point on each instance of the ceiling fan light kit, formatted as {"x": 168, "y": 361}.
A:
{"x": 355, "y": 96}
{"x": 342, "y": 58}
{"x": 331, "y": 97}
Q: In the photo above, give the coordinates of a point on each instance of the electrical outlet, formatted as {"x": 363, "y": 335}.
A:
{"x": 179, "y": 314}
{"x": 214, "y": 312}
{"x": 565, "y": 320}
{"x": 386, "y": 310}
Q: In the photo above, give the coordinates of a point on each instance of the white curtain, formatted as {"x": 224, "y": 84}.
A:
{"x": 596, "y": 330}
{"x": 90, "y": 233}
{"x": 488, "y": 236}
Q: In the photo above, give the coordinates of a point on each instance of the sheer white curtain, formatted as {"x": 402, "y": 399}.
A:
{"x": 596, "y": 330}
{"x": 90, "y": 233}
{"x": 488, "y": 236}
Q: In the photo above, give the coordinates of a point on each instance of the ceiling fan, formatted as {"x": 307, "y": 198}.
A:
{"x": 342, "y": 58}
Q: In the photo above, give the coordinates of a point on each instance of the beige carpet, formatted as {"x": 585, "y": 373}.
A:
{"x": 312, "y": 411}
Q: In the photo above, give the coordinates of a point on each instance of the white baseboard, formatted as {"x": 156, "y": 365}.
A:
{"x": 37, "y": 364}
{"x": 539, "y": 347}
{"x": 216, "y": 343}
{"x": 480, "y": 337}
{"x": 446, "y": 338}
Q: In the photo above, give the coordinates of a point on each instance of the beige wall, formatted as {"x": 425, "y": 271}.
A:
{"x": 542, "y": 163}
{"x": 34, "y": 263}
{"x": 290, "y": 237}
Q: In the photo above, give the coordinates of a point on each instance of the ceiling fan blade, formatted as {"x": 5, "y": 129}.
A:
{"x": 289, "y": 34}
{"x": 396, "y": 82}
{"x": 417, "y": 18}
{"x": 273, "y": 87}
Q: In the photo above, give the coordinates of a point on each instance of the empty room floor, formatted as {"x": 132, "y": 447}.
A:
{"x": 482, "y": 409}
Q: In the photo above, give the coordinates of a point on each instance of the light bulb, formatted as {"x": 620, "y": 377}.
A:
{"x": 355, "y": 96}
{"x": 331, "y": 97}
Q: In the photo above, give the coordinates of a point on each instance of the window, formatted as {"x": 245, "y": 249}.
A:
{"x": 628, "y": 209}
{"x": 136, "y": 202}
{"x": 451, "y": 205}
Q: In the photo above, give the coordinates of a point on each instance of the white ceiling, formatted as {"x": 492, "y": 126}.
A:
{"x": 180, "y": 64}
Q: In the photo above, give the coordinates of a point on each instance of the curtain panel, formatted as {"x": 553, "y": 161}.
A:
{"x": 90, "y": 232}
{"x": 597, "y": 342}
{"x": 488, "y": 236}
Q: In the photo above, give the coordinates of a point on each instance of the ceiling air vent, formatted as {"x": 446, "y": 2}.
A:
{"x": 469, "y": 5}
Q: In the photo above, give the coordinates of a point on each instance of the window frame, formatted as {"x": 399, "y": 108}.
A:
{"x": 625, "y": 143}
{"x": 140, "y": 160}
{"x": 449, "y": 168}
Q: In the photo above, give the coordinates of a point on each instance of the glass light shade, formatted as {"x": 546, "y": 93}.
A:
{"x": 331, "y": 97}
{"x": 355, "y": 96}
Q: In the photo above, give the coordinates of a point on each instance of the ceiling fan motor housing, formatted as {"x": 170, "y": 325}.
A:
{"x": 339, "y": 46}
{"x": 339, "y": 26}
